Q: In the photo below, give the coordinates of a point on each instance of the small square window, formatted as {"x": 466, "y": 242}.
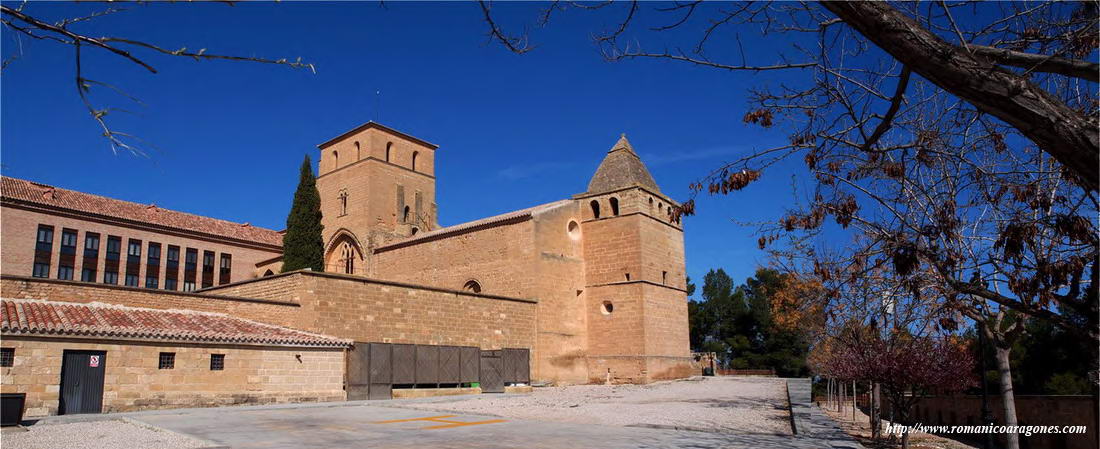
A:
{"x": 217, "y": 362}
{"x": 7, "y": 357}
{"x": 167, "y": 360}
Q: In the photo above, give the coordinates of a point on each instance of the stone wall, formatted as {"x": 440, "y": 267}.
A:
{"x": 276, "y": 308}
{"x": 132, "y": 380}
{"x": 369, "y": 310}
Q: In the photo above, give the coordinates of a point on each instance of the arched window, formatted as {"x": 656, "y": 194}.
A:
{"x": 347, "y": 253}
{"x": 389, "y": 145}
{"x": 415, "y": 154}
{"x": 335, "y": 159}
{"x": 472, "y": 286}
{"x": 614, "y": 206}
{"x": 595, "y": 208}
{"x": 358, "y": 154}
{"x": 405, "y": 215}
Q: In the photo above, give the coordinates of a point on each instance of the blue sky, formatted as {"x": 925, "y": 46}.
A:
{"x": 514, "y": 130}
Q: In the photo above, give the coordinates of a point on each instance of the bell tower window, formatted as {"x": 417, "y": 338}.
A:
{"x": 415, "y": 154}
{"x": 614, "y": 206}
{"x": 389, "y": 145}
{"x": 595, "y": 208}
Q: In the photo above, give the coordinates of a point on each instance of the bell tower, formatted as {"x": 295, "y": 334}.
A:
{"x": 377, "y": 185}
{"x": 634, "y": 274}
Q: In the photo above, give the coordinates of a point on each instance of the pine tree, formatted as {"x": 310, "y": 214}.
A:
{"x": 303, "y": 246}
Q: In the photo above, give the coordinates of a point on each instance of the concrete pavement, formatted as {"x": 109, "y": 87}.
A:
{"x": 390, "y": 424}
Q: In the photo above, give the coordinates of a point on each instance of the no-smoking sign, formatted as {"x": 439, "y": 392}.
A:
{"x": 93, "y": 361}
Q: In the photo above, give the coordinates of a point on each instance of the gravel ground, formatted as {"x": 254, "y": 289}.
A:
{"x": 112, "y": 434}
{"x": 716, "y": 404}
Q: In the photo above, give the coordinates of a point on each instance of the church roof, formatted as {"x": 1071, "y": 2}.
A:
{"x": 23, "y": 191}
{"x": 621, "y": 168}
{"x": 476, "y": 225}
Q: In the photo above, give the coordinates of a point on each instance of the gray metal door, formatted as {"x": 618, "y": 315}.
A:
{"x": 427, "y": 364}
{"x": 449, "y": 365}
{"x": 492, "y": 372}
{"x": 358, "y": 363}
{"x": 469, "y": 360}
{"x": 82, "y": 374}
{"x": 381, "y": 370}
{"x": 404, "y": 364}
{"x": 517, "y": 365}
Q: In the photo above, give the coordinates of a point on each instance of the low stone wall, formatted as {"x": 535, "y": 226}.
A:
{"x": 132, "y": 380}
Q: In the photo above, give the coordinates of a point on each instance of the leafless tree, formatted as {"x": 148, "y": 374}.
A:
{"x": 1028, "y": 64}
{"x": 24, "y": 24}
{"x": 921, "y": 122}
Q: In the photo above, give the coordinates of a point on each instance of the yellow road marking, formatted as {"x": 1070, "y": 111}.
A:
{"x": 429, "y": 418}
{"x": 446, "y": 424}
{"x": 460, "y": 424}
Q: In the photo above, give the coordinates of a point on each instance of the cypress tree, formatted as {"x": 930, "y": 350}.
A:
{"x": 303, "y": 246}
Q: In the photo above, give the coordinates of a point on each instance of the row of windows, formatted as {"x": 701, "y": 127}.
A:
{"x": 131, "y": 274}
{"x": 167, "y": 360}
{"x": 359, "y": 155}
{"x": 614, "y": 202}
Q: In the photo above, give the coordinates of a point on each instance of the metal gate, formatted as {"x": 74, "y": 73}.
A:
{"x": 517, "y": 366}
{"x": 492, "y": 372}
{"x": 374, "y": 369}
{"x": 381, "y": 369}
{"x": 404, "y": 364}
{"x": 82, "y": 374}
{"x": 469, "y": 361}
{"x": 358, "y": 372}
{"x": 449, "y": 365}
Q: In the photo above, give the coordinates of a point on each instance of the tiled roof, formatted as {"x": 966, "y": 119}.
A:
{"x": 621, "y": 168}
{"x": 474, "y": 225}
{"x": 33, "y": 317}
{"x": 46, "y": 195}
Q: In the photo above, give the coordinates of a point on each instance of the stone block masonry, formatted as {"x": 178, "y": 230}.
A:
{"x": 133, "y": 380}
{"x": 370, "y": 310}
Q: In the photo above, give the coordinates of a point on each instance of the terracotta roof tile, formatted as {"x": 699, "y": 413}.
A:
{"x": 46, "y": 195}
{"x": 51, "y": 318}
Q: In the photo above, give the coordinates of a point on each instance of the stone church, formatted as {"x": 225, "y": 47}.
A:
{"x": 592, "y": 287}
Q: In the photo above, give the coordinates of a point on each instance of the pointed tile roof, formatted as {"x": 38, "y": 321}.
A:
{"x": 621, "y": 168}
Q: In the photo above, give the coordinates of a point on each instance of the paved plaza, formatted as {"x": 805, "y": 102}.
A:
{"x": 394, "y": 424}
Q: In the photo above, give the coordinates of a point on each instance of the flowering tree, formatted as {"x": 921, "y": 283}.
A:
{"x": 908, "y": 367}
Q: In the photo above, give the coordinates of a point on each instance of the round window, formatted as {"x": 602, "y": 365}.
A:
{"x": 607, "y": 307}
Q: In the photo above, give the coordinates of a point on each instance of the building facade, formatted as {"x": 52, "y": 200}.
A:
{"x": 593, "y": 285}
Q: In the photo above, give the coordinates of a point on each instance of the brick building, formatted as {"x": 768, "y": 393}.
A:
{"x": 593, "y": 285}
